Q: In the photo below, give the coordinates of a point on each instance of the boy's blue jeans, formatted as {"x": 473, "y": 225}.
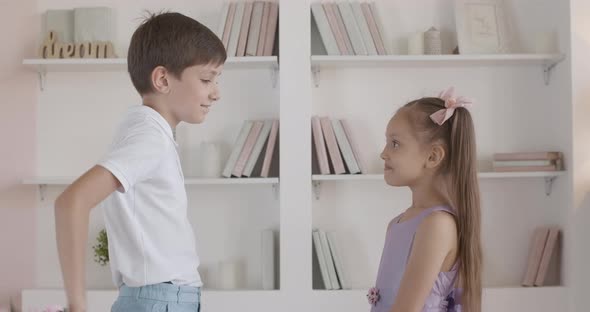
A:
{"x": 162, "y": 297}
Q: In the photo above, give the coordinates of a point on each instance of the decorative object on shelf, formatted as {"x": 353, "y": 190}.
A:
{"x": 78, "y": 33}
{"x": 94, "y": 24}
{"x": 227, "y": 273}
{"x": 61, "y": 22}
{"x": 528, "y": 162}
{"x": 416, "y": 43}
{"x": 101, "y": 249}
{"x": 545, "y": 42}
{"x": 482, "y": 27}
{"x": 210, "y": 160}
{"x": 432, "y": 42}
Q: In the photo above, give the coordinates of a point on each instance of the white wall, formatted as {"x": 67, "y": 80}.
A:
{"x": 580, "y": 37}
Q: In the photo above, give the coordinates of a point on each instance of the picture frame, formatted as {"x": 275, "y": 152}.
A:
{"x": 482, "y": 27}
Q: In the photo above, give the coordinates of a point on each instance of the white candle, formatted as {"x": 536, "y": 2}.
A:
{"x": 228, "y": 275}
{"x": 416, "y": 44}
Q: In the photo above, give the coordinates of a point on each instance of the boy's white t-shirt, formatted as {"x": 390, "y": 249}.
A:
{"x": 150, "y": 238}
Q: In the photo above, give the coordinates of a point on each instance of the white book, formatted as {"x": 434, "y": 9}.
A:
{"x": 324, "y": 28}
{"x": 234, "y": 36}
{"x": 337, "y": 261}
{"x": 357, "y": 10}
{"x": 237, "y": 148}
{"x": 329, "y": 260}
{"x": 379, "y": 22}
{"x": 518, "y": 163}
{"x": 222, "y": 19}
{"x": 268, "y": 260}
{"x": 352, "y": 28}
{"x": 345, "y": 147}
{"x": 94, "y": 24}
{"x": 321, "y": 260}
{"x": 262, "y": 138}
{"x": 254, "y": 31}
{"x": 61, "y": 22}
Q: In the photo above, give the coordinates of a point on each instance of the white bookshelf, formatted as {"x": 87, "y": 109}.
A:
{"x": 546, "y": 62}
{"x": 45, "y": 66}
{"x": 522, "y": 104}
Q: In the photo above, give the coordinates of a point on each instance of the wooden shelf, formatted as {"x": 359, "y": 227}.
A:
{"x": 546, "y": 61}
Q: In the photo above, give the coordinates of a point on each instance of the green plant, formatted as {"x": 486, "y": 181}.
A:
{"x": 101, "y": 249}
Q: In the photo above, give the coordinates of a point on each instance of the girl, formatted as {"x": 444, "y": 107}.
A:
{"x": 435, "y": 244}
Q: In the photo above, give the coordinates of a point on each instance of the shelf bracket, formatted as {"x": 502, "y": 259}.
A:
{"x": 315, "y": 70}
{"x": 42, "y": 191}
{"x": 42, "y": 78}
{"x": 317, "y": 187}
{"x": 275, "y": 191}
{"x": 548, "y": 68}
{"x": 274, "y": 76}
{"x": 549, "y": 185}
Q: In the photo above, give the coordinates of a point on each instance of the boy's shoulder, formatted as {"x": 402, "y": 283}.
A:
{"x": 143, "y": 120}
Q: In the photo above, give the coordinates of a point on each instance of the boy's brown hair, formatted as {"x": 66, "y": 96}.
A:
{"x": 174, "y": 41}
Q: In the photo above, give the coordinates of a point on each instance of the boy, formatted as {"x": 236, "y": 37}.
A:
{"x": 173, "y": 62}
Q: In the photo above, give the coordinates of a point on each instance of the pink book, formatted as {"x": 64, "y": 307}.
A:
{"x": 340, "y": 23}
{"x": 535, "y": 254}
{"x": 355, "y": 149}
{"x": 548, "y": 252}
{"x": 527, "y": 156}
{"x": 228, "y": 24}
{"x": 263, "y": 29}
{"x": 373, "y": 28}
{"x": 320, "y": 145}
{"x": 525, "y": 168}
{"x": 333, "y": 149}
{"x": 247, "y": 150}
{"x": 272, "y": 29}
{"x": 270, "y": 146}
{"x": 244, "y": 29}
{"x": 333, "y": 22}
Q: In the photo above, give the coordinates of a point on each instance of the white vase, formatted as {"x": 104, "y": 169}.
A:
{"x": 210, "y": 160}
{"x": 416, "y": 44}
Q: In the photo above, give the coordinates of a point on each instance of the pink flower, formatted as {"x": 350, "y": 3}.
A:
{"x": 373, "y": 296}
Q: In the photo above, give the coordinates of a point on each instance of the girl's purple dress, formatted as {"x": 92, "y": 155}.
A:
{"x": 398, "y": 244}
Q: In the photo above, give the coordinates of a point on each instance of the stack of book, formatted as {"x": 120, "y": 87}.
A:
{"x": 248, "y": 28}
{"x": 335, "y": 151}
{"x": 253, "y": 152}
{"x": 543, "y": 251}
{"x": 529, "y": 161}
{"x": 328, "y": 262}
{"x": 350, "y": 28}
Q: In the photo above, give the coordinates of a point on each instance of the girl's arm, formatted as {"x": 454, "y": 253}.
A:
{"x": 435, "y": 239}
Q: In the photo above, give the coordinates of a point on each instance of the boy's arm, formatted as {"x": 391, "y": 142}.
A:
{"x": 72, "y": 212}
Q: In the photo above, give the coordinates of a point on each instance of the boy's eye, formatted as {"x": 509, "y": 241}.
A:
{"x": 395, "y": 144}
{"x": 206, "y": 81}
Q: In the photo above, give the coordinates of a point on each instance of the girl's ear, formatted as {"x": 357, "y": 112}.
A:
{"x": 436, "y": 156}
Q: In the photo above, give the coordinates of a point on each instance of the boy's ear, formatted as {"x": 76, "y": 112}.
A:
{"x": 159, "y": 79}
{"x": 436, "y": 156}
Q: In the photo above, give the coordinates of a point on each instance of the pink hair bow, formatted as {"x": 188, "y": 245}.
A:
{"x": 451, "y": 103}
